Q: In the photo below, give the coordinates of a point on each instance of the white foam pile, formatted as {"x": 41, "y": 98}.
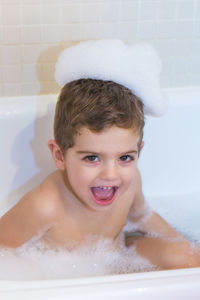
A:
{"x": 136, "y": 66}
{"x": 34, "y": 261}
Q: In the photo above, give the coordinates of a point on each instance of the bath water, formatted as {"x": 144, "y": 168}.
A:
{"x": 181, "y": 211}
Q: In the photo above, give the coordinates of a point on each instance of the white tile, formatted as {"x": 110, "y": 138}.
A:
{"x": 1, "y": 90}
{"x": 147, "y": 30}
{"x": 109, "y": 11}
{"x": 110, "y": 30}
{"x": 180, "y": 71}
{"x": 196, "y": 46}
{"x": 1, "y": 62}
{"x": 30, "y": 88}
{"x": 166, "y": 30}
{"x": 91, "y": 31}
{"x": 52, "y": 33}
{"x": 194, "y": 69}
{"x": 129, "y": 11}
{"x": 1, "y": 18}
{"x": 180, "y": 80}
{"x": 8, "y": 2}
{"x": 149, "y": 1}
{"x": 71, "y": 32}
{"x": 1, "y": 34}
{"x": 174, "y": 79}
{"x": 181, "y": 64}
{"x": 29, "y": 73}
{"x": 167, "y": 63}
{"x": 31, "y": 34}
{"x": 90, "y": 12}
{"x": 183, "y": 47}
{"x": 71, "y": 13}
{"x": 51, "y": 14}
{"x": 92, "y": 1}
{"x": 51, "y": 2}
{"x": 128, "y": 30}
{"x": 31, "y": 53}
{"x": 197, "y": 29}
{"x": 185, "y": 9}
{"x": 197, "y": 10}
{"x": 148, "y": 10}
{"x": 165, "y": 80}
{"x": 31, "y": 14}
{"x": 195, "y": 78}
{"x": 184, "y": 29}
{"x": 11, "y": 89}
{"x": 66, "y": 2}
{"x": 11, "y": 14}
{"x": 167, "y": 10}
{"x": 11, "y": 35}
{"x": 195, "y": 64}
{"x": 1, "y": 76}
{"x": 165, "y": 46}
{"x": 11, "y": 55}
{"x": 12, "y": 73}
{"x": 31, "y": 2}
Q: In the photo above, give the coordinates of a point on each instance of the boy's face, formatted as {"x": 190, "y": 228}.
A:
{"x": 101, "y": 166}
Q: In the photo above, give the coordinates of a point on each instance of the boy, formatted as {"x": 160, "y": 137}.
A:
{"x": 98, "y": 131}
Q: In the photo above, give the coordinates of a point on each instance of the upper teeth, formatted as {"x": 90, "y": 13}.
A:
{"x": 106, "y": 187}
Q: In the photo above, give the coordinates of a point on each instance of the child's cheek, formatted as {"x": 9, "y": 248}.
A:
{"x": 130, "y": 176}
{"x": 86, "y": 175}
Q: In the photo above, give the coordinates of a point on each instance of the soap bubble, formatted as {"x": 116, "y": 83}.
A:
{"x": 35, "y": 261}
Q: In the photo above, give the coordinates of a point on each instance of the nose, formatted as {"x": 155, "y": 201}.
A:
{"x": 109, "y": 171}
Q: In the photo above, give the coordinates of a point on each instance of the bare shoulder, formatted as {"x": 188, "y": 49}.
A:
{"x": 35, "y": 213}
{"x": 44, "y": 200}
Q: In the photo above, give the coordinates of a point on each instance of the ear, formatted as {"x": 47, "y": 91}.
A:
{"x": 57, "y": 154}
{"x": 142, "y": 145}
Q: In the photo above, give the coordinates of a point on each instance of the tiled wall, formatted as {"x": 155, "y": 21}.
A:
{"x": 33, "y": 33}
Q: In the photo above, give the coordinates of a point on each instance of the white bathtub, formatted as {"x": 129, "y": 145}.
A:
{"x": 170, "y": 168}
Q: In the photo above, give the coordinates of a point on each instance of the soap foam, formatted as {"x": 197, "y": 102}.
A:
{"x": 136, "y": 66}
{"x": 35, "y": 261}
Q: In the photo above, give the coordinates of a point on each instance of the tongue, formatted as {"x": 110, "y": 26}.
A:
{"x": 103, "y": 194}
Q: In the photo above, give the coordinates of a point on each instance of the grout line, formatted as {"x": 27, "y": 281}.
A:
{"x": 119, "y": 6}
{"x": 138, "y": 19}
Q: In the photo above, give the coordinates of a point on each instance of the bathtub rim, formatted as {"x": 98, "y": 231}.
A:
{"x": 138, "y": 280}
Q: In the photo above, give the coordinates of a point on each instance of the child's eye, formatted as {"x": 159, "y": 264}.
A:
{"x": 91, "y": 158}
{"x": 126, "y": 158}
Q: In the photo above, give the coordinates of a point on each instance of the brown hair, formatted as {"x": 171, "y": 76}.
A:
{"x": 95, "y": 104}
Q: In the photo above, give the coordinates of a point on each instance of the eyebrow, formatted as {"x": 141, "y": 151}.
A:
{"x": 96, "y": 153}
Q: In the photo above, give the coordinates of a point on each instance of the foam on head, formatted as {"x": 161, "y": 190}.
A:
{"x": 136, "y": 66}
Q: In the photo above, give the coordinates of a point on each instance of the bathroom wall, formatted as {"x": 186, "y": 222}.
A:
{"x": 33, "y": 33}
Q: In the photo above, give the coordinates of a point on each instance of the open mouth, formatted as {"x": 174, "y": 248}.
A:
{"x": 104, "y": 195}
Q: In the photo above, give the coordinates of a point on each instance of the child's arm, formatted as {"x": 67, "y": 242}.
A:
{"x": 161, "y": 244}
{"x": 33, "y": 214}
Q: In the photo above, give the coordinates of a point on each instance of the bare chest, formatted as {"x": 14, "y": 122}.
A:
{"x": 75, "y": 228}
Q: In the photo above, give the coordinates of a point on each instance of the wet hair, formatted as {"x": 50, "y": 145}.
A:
{"x": 97, "y": 105}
